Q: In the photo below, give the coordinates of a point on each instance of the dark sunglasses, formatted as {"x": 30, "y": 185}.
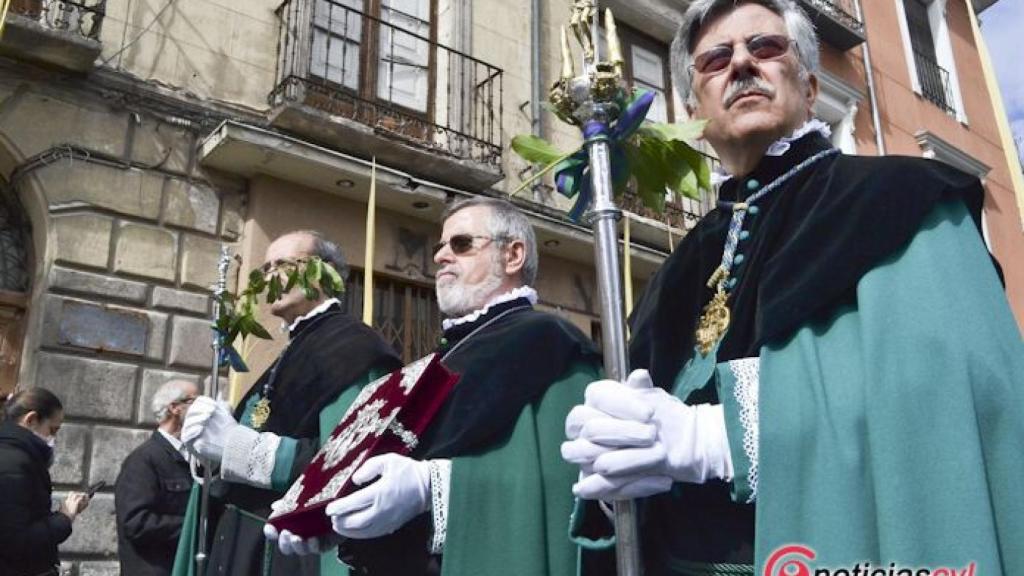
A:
{"x": 763, "y": 47}
{"x": 461, "y": 243}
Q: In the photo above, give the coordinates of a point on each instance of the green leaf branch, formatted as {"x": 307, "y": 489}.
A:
{"x": 312, "y": 276}
{"x": 660, "y": 160}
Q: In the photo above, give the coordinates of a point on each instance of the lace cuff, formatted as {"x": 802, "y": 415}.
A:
{"x": 747, "y": 372}
{"x": 440, "y": 481}
{"x": 249, "y": 457}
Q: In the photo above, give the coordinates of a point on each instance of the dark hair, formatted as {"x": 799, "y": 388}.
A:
{"x": 325, "y": 249}
{"x": 38, "y": 400}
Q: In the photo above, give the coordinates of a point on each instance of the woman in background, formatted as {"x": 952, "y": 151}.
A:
{"x": 29, "y": 530}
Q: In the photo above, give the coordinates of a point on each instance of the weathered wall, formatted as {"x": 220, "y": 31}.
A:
{"x": 126, "y": 251}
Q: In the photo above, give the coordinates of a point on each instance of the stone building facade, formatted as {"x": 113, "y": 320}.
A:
{"x": 138, "y": 137}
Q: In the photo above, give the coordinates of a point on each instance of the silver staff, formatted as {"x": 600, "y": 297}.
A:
{"x": 579, "y": 100}
{"x": 204, "y": 503}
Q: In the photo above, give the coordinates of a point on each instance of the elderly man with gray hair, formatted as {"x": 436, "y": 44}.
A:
{"x": 887, "y": 434}
{"x": 152, "y": 489}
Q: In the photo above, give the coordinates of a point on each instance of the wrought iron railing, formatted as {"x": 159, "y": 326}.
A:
{"x": 388, "y": 72}
{"x": 842, "y": 11}
{"x": 682, "y": 213}
{"x": 82, "y": 17}
{"x": 405, "y": 314}
{"x": 934, "y": 80}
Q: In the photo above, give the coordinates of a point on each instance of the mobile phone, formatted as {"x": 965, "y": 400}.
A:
{"x": 96, "y": 488}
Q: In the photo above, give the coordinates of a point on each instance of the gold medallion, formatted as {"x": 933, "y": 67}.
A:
{"x": 260, "y": 414}
{"x": 714, "y": 320}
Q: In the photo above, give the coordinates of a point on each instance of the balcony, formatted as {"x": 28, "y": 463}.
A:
{"x": 63, "y": 33}
{"x": 836, "y": 22}
{"x": 383, "y": 86}
{"x": 934, "y": 81}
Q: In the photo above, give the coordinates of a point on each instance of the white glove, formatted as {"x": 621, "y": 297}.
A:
{"x": 610, "y": 439}
{"x": 401, "y": 493}
{"x": 289, "y": 544}
{"x": 206, "y": 428}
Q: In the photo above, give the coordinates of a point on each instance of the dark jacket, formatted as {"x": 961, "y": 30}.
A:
{"x": 150, "y": 499}
{"x": 29, "y": 531}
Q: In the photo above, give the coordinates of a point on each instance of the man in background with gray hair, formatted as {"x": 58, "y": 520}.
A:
{"x": 153, "y": 486}
{"x": 887, "y": 436}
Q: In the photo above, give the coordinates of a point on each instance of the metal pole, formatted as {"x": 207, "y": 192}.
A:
{"x": 604, "y": 218}
{"x": 204, "y": 501}
{"x": 869, "y": 74}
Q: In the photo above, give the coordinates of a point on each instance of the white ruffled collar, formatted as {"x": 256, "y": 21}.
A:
{"x": 320, "y": 309}
{"x": 520, "y": 292}
{"x": 779, "y": 147}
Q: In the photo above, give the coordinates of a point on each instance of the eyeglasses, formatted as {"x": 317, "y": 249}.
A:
{"x": 275, "y": 265}
{"x": 462, "y": 243}
{"x": 762, "y": 47}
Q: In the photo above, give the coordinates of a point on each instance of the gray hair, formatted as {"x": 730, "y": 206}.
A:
{"x": 506, "y": 223}
{"x": 169, "y": 393}
{"x": 700, "y": 12}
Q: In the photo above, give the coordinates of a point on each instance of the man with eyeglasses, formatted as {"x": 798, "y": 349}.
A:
{"x": 486, "y": 491}
{"x": 153, "y": 486}
{"x": 888, "y": 429}
{"x": 263, "y": 445}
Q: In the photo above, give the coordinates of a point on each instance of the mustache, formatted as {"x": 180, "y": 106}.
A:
{"x": 448, "y": 269}
{"x": 745, "y": 86}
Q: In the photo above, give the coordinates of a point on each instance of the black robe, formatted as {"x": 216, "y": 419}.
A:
{"x": 809, "y": 245}
{"x": 327, "y": 353}
{"x": 504, "y": 367}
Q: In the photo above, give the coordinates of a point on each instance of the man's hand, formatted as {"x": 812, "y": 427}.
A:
{"x": 632, "y": 440}
{"x": 74, "y": 504}
{"x": 206, "y": 428}
{"x": 289, "y": 544}
{"x": 401, "y": 493}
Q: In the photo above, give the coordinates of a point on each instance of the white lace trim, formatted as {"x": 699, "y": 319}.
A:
{"x": 747, "y": 372}
{"x": 780, "y": 146}
{"x": 249, "y": 457}
{"x": 320, "y": 309}
{"x": 520, "y": 292}
{"x": 440, "y": 481}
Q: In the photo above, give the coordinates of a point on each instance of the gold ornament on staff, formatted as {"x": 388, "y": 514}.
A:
{"x": 573, "y": 96}
{"x": 597, "y": 96}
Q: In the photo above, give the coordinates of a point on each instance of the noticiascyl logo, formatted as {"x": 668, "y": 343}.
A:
{"x": 789, "y": 560}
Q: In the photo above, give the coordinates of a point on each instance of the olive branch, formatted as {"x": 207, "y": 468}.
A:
{"x": 237, "y": 316}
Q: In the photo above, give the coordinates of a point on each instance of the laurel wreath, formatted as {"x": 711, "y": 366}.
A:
{"x": 237, "y": 314}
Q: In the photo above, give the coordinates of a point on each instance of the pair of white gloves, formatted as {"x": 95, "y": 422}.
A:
{"x": 633, "y": 440}
{"x": 401, "y": 492}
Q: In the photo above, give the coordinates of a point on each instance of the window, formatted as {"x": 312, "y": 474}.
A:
{"x": 929, "y": 54}
{"x": 14, "y": 280}
{"x": 406, "y": 314}
{"x": 380, "y": 49}
{"x": 837, "y": 106}
{"x": 646, "y": 66}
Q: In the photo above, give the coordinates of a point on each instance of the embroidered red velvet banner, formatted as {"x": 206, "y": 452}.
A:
{"x": 388, "y": 416}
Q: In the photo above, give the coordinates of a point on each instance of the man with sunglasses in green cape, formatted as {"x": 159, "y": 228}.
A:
{"x": 832, "y": 380}
{"x": 485, "y": 491}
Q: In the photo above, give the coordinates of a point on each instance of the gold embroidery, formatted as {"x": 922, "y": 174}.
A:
{"x": 714, "y": 318}
{"x": 260, "y": 414}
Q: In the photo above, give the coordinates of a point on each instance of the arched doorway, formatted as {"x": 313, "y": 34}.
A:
{"x": 14, "y": 285}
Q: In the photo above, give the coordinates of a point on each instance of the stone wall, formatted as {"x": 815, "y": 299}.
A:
{"x": 133, "y": 230}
